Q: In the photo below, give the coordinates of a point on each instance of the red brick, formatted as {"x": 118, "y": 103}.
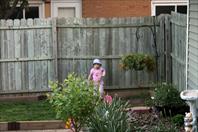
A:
{"x": 116, "y": 8}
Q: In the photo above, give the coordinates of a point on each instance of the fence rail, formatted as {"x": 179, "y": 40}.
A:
{"x": 32, "y": 52}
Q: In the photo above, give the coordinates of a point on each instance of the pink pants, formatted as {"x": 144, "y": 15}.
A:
{"x": 100, "y": 87}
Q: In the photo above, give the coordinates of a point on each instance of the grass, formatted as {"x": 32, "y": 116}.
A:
{"x": 26, "y": 111}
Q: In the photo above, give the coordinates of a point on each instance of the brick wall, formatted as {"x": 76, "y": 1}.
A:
{"x": 116, "y": 8}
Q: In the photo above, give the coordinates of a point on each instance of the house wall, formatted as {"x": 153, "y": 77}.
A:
{"x": 192, "y": 70}
{"x": 47, "y": 9}
{"x": 116, "y": 8}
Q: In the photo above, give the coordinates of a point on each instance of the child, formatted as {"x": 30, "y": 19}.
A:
{"x": 96, "y": 75}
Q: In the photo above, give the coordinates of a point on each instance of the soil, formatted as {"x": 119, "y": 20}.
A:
{"x": 146, "y": 122}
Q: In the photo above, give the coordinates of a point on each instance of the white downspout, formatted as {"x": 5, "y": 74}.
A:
{"x": 187, "y": 44}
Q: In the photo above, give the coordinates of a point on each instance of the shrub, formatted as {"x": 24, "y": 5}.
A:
{"x": 73, "y": 99}
{"x": 110, "y": 117}
{"x": 178, "y": 120}
{"x": 160, "y": 127}
{"x": 166, "y": 95}
{"x": 137, "y": 61}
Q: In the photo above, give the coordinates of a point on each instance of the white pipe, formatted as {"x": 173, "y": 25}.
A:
{"x": 187, "y": 44}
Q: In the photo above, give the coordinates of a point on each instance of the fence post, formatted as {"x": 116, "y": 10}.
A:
{"x": 161, "y": 48}
{"x": 168, "y": 47}
{"x": 55, "y": 47}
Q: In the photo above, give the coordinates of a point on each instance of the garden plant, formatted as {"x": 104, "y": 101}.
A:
{"x": 110, "y": 117}
{"x": 166, "y": 98}
{"x": 73, "y": 99}
{"x": 138, "y": 61}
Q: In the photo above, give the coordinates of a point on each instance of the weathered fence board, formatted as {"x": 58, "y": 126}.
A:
{"x": 36, "y": 51}
{"x": 101, "y": 42}
{"x": 25, "y": 55}
{"x": 178, "y": 26}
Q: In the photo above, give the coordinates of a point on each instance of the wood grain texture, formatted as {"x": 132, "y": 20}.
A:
{"x": 36, "y": 51}
{"x": 178, "y": 53}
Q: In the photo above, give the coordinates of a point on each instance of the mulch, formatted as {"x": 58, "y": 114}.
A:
{"x": 146, "y": 121}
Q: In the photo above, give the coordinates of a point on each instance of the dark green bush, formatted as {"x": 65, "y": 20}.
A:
{"x": 160, "y": 127}
{"x": 166, "y": 95}
{"x": 178, "y": 120}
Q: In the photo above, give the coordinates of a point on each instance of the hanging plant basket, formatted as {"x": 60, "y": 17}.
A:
{"x": 138, "y": 62}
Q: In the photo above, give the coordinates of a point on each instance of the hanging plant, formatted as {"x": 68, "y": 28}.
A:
{"x": 138, "y": 62}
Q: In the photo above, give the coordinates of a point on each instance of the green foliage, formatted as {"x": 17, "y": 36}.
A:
{"x": 166, "y": 95}
{"x": 137, "y": 61}
{"x": 110, "y": 117}
{"x": 161, "y": 127}
{"x": 26, "y": 111}
{"x": 74, "y": 98}
{"x": 178, "y": 120}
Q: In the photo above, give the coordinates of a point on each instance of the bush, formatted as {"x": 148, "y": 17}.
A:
{"x": 166, "y": 95}
{"x": 178, "y": 120}
{"x": 160, "y": 127}
{"x": 73, "y": 99}
{"x": 137, "y": 62}
{"x": 110, "y": 117}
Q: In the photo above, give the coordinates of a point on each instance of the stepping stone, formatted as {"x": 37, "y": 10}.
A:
{"x": 139, "y": 109}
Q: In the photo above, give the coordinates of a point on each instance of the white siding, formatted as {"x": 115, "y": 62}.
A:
{"x": 193, "y": 45}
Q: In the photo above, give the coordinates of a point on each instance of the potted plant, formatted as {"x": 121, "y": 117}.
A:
{"x": 166, "y": 98}
{"x": 73, "y": 100}
{"x": 138, "y": 61}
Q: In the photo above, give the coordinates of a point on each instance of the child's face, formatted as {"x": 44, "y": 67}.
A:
{"x": 96, "y": 66}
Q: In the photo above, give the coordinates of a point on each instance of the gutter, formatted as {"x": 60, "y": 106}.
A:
{"x": 187, "y": 44}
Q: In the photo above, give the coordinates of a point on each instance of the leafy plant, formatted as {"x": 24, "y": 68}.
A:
{"x": 160, "y": 127}
{"x": 137, "y": 61}
{"x": 178, "y": 120}
{"x": 166, "y": 95}
{"x": 73, "y": 99}
{"x": 110, "y": 117}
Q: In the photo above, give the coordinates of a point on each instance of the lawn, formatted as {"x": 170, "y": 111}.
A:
{"x": 26, "y": 111}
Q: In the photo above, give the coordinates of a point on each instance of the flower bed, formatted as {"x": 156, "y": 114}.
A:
{"x": 152, "y": 122}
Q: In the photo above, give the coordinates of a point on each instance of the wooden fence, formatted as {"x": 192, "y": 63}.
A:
{"x": 178, "y": 55}
{"x": 32, "y": 52}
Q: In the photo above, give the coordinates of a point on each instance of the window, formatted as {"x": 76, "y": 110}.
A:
{"x": 66, "y": 12}
{"x": 182, "y": 9}
{"x": 17, "y": 14}
{"x": 66, "y": 8}
{"x": 35, "y": 9}
{"x": 32, "y": 12}
{"x": 167, "y": 6}
{"x": 164, "y": 10}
